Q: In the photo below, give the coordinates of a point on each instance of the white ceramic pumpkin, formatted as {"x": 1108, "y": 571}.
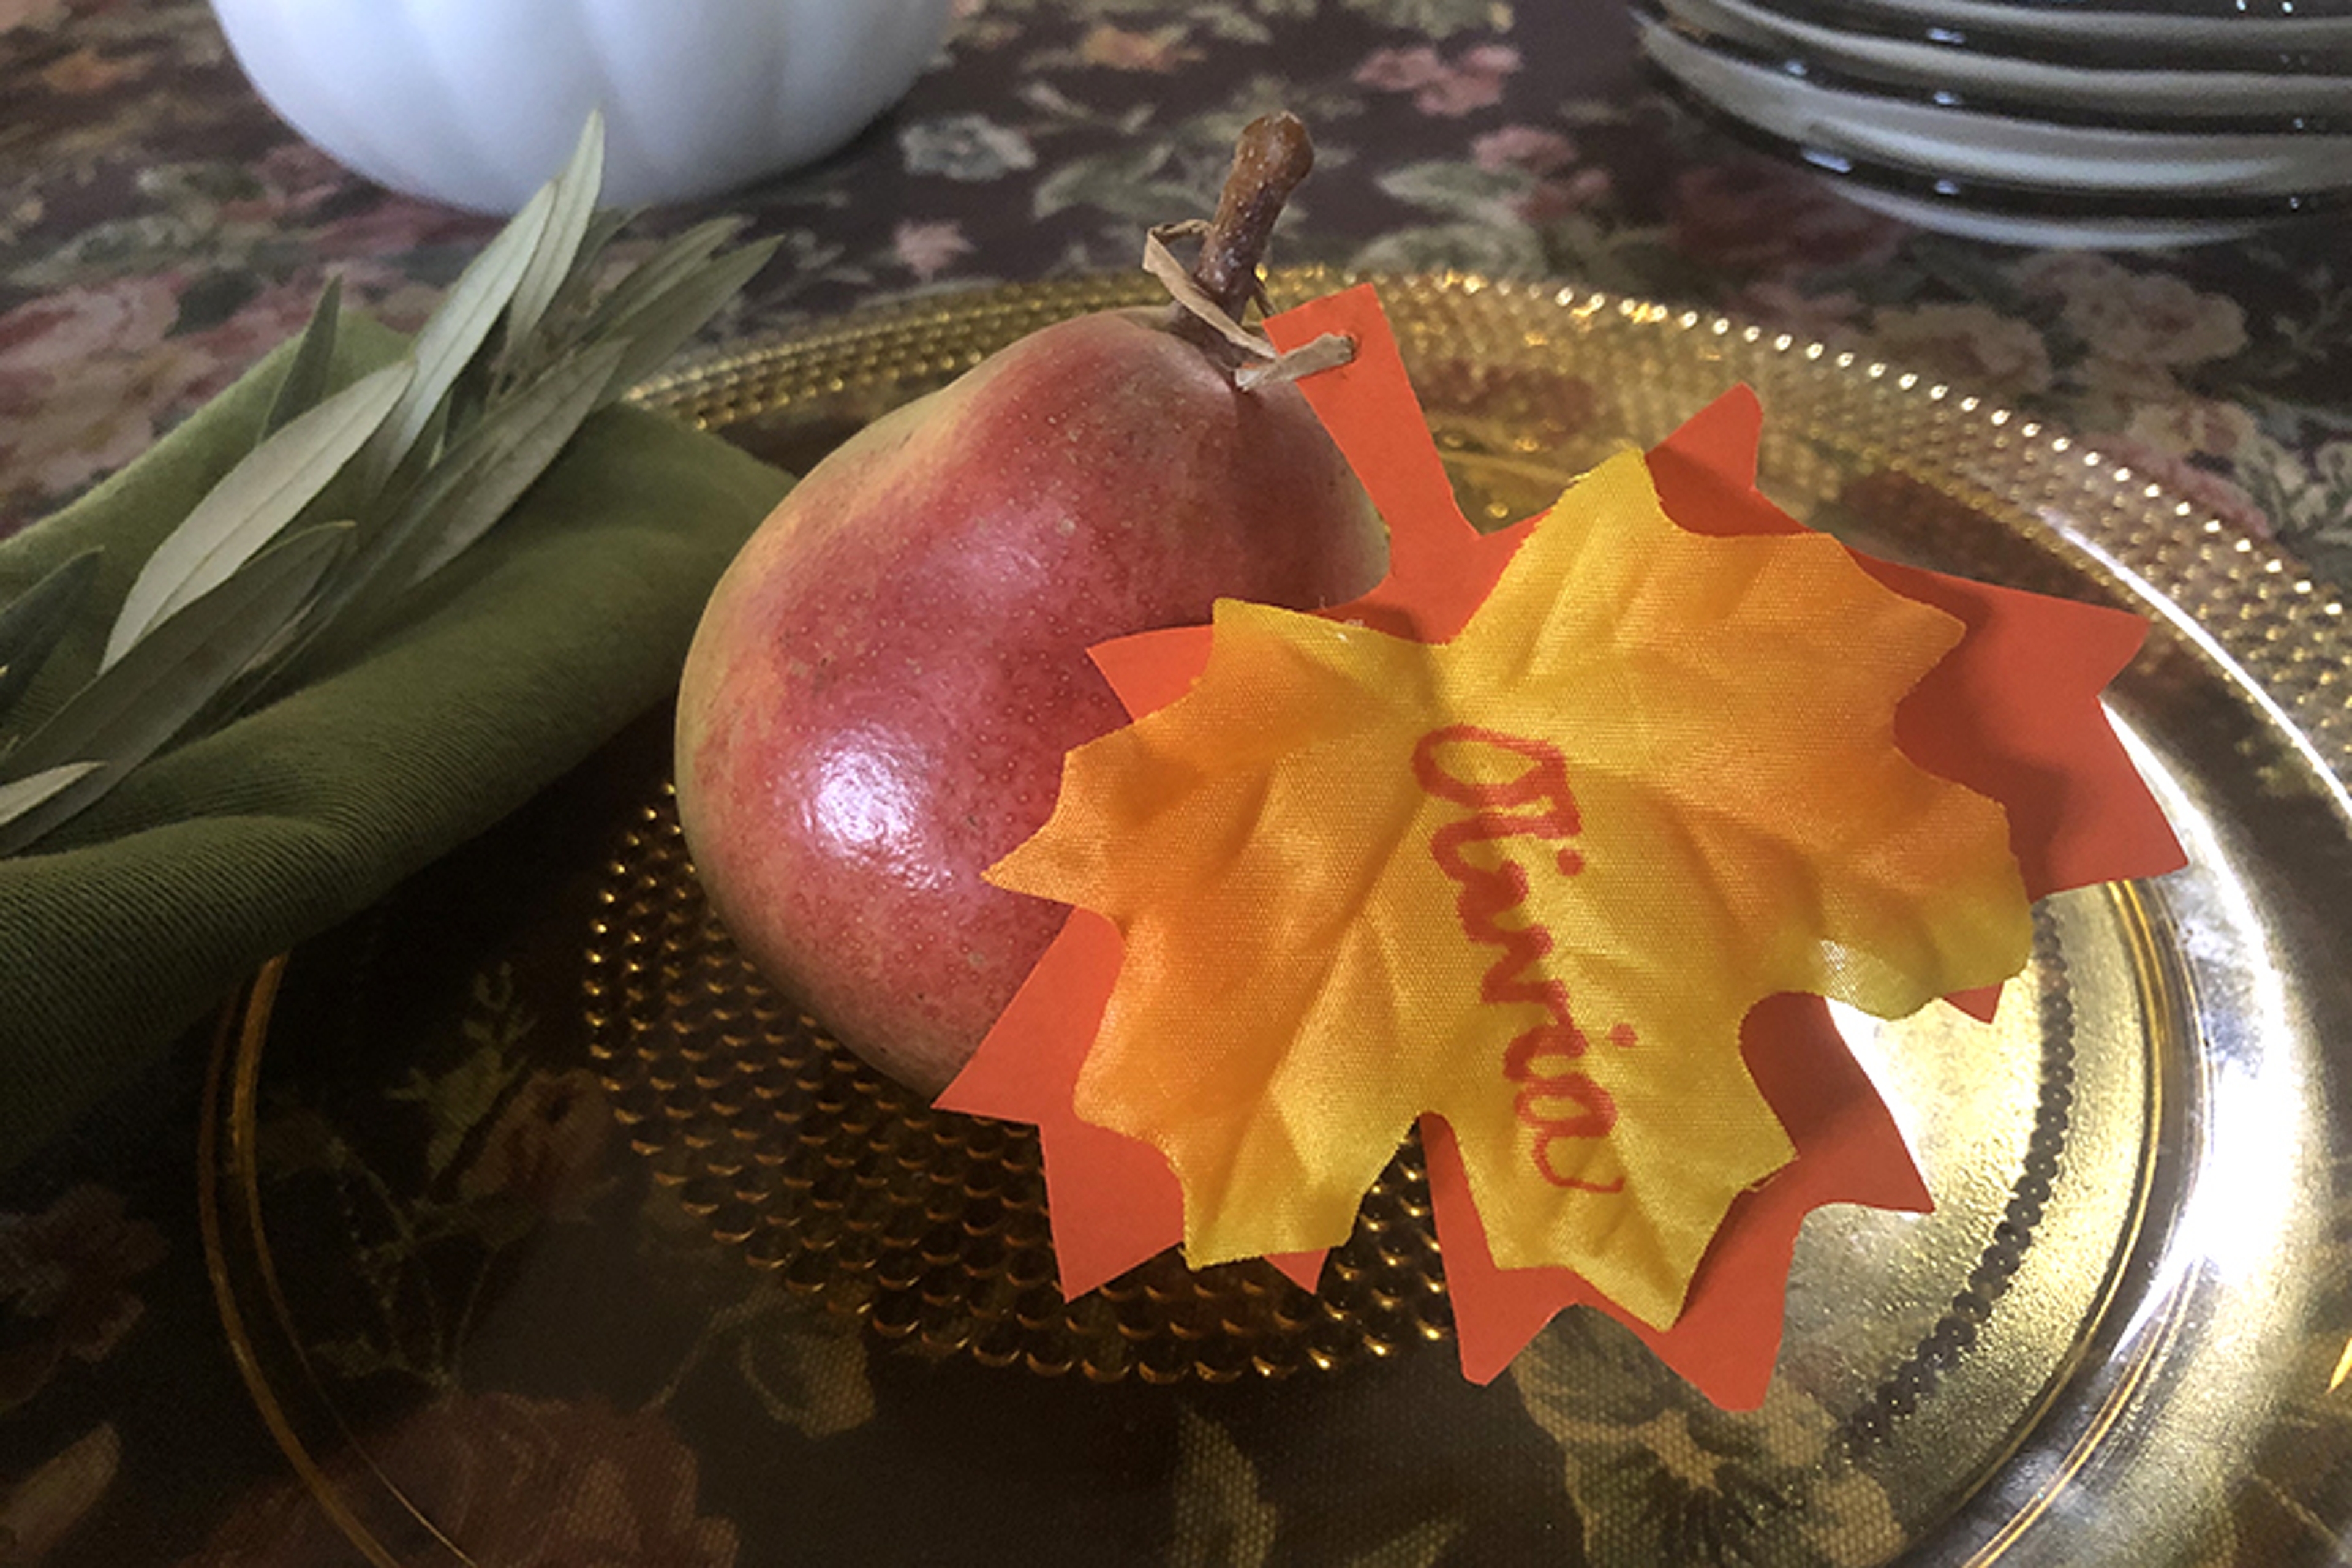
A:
{"x": 476, "y": 102}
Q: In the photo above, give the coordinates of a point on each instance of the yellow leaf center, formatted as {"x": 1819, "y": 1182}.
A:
{"x": 1531, "y": 880}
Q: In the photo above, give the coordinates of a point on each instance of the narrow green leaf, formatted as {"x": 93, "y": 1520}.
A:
{"x": 472, "y": 485}
{"x": 469, "y": 395}
{"x": 604, "y": 226}
{"x": 664, "y": 323}
{"x": 574, "y": 202}
{"x": 24, "y": 794}
{"x": 508, "y": 453}
{"x": 253, "y": 502}
{"x": 565, "y": 324}
{"x": 676, "y": 258}
{"x": 306, "y": 375}
{"x": 37, "y": 619}
{"x": 136, "y": 706}
{"x": 459, "y": 327}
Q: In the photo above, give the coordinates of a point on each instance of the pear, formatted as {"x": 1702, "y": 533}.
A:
{"x": 881, "y": 690}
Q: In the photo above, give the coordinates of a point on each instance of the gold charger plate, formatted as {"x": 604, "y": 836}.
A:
{"x": 2123, "y": 1336}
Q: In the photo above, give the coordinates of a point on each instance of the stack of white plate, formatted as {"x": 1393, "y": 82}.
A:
{"x": 2048, "y": 122}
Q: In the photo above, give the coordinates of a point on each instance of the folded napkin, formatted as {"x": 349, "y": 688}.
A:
{"x": 538, "y": 643}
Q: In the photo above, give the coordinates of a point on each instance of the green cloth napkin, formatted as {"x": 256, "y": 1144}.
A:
{"x": 568, "y": 619}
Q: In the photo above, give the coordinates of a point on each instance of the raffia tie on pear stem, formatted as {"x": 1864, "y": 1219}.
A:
{"x": 1271, "y": 156}
{"x": 1268, "y": 366}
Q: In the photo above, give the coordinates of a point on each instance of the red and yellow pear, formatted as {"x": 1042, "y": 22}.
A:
{"x": 881, "y": 692}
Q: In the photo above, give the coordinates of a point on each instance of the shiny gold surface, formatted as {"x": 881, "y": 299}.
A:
{"x": 930, "y": 1226}
{"x": 2200, "y": 1050}
{"x": 2121, "y": 1336}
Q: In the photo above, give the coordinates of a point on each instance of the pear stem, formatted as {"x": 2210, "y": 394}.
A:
{"x": 1272, "y": 156}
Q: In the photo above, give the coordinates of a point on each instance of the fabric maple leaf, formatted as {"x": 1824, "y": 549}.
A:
{"x": 1531, "y": 879}
{"x": 2012, "y": 713}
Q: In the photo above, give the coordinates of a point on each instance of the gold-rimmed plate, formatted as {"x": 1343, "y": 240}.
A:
{"x": 527, "y": 1150}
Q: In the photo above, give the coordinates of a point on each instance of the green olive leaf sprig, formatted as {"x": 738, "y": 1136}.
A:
{"x": 307, "y": 549}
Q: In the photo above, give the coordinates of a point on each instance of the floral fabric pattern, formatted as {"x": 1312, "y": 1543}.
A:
{"x": 160, "y": 229}
{"x": 521, "y": 1481}
{"x": 65, "y": 1276}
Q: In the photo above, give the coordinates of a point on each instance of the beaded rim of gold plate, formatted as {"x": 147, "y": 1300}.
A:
{"x": 2244, "y": 601}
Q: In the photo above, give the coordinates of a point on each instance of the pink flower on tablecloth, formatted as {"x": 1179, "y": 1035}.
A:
{"x": 2161, "y": 320}
{"x": 1557, "y": 186}
{"x": 516, "y": 1482}
{"x": 2194, "y": 427}
{"x": 68, "y": 329}
{"x": 89, "y": 377}
{"x": 1976, "y": 347}
{"x": 1400, "y": 70}
{"x": 928, "y": 247}
{"x": 1760, "y": 218}
{"x": 1548, "y": 201}
{"x": 1473, "y": 80}
{"x": 84, "y": 376}
{"x": 2135, "y": 317}
{"x": 1529, "y": 147}
{"x": 2108, "y": 392}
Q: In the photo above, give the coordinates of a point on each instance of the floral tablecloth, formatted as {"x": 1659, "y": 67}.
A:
{"x": 160, "y": 229}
